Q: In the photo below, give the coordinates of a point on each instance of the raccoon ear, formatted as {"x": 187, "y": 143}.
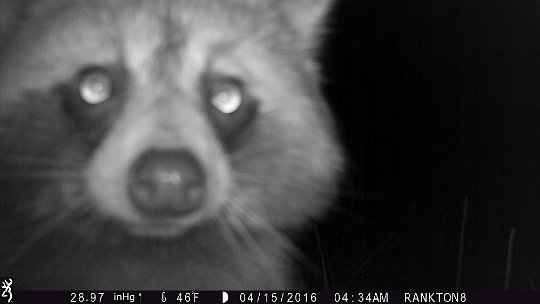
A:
{"x": 306, "y": 17}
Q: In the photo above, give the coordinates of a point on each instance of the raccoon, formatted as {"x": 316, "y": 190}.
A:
{"x": 161, "y": 144}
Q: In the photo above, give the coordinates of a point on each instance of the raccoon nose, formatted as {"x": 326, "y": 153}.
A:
{"x": 166, "y": 183}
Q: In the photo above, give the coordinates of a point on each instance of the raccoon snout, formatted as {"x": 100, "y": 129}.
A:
{"x": 167, "y": 183}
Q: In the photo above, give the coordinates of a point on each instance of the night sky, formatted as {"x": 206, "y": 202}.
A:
{"x": 438, "y": 107}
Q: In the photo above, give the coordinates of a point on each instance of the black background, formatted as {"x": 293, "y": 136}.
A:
{"x": 438, "y": 103}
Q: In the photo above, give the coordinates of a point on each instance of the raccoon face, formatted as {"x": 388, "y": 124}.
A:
{"x": 159, "y": 117}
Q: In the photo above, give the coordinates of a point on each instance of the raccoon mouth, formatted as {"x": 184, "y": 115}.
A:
{"x": 163, "y": 227}
{"x": 159, "y": 229}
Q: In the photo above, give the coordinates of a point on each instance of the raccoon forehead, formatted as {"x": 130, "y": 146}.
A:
{"x": 268, "y": 19}
{"x": 164, "y": 20}
{"x": 62, "y": 35}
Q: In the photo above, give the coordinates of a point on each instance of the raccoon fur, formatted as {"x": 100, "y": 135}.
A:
{"x": 169, "y": 144}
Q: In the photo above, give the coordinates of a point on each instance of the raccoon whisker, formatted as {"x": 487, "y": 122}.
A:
{"x": 28, "y": 168}
{"x": 257, "y": 177}
{"x": 259, "y": 222}
{"x": 28, "y": 211}
{"x": 41, "y": 174}
{"x": 224, "y": 229}
{"x": 247, "y": 237}
{"x": 279, "y": 237}
{"x": 31, "y": 167}
{"x": 41, "y": 232}
{"x": 268, "y": 110}
{"x": 38, "y": 163}
{"x": 292, "y": 183}
{"x": 16, "y": 214}
{"x": 244, "y": 214}
{"x": 237, "y": 227}
{"x": 91, "y": 226}
{"x": 39, "y": 160}
{"x": 256, "y": 221}
{"x": 87, "y": 230}
{"x": 240, "y": 227}
{"x": 240, "y": 155}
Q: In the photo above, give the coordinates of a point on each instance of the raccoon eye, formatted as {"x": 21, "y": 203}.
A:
{"x": 95, "y": 85}
{"x": 227, "y": 96}
{"x": 231, "y": 108}
{"x": 92, "y": 98}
